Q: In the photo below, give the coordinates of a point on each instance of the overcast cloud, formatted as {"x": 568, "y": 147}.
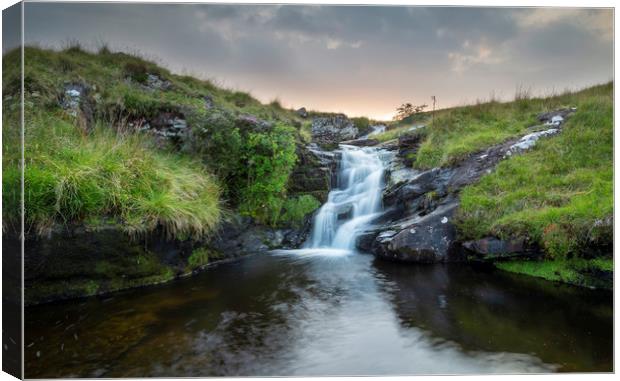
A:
{"x": 359, "y": 60}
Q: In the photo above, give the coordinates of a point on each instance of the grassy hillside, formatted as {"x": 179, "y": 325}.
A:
{"x": 559, "y": 194}
{"x": 96, "y": 166}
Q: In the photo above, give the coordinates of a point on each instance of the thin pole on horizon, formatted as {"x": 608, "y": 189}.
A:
{"x": 434, "y": 99}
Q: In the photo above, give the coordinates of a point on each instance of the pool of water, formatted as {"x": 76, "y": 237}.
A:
{"x": 294, "y": 313}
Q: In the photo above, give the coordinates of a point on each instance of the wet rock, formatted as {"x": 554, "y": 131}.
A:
{"x": 330, "y": 130}
{"x": 426, "y": 239}
{"x": 408, "y": 145}
{"x": 168, "y": 125}
{"x": 361, "y": 142}
{"x": 556, "y": 116}
{"x": 529, "y": 140}
{"x": 314, "y": 173}
{"x": 302, "y": 113}
{"x": 491, "y": 248}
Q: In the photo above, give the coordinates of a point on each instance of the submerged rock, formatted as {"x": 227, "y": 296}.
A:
{"x": 491, "y": 248}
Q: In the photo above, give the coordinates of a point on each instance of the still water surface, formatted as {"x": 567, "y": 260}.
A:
{"x": 298, "y": 314}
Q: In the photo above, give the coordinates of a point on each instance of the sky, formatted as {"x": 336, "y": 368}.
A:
{"x": 360, "y": 60}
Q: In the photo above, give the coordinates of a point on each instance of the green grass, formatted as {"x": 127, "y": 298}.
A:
{"x": 457, "y": 132}
{"x": 71, "y": 177}
{"x": 554, "y": 193}
{"x": 79, "y": 176}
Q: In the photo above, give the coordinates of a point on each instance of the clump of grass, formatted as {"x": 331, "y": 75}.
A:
{"x": 71, "y": 178}
{"x": 554, "y": 193}
{"x": 295, "y": 209}
{"x": 137, "y": 71}
{"x": 239, "y": 98}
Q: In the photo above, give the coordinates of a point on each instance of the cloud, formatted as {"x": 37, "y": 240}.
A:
{"x": 356, "y": 59}
{"x": 473, "y": 54}
{"x": 598, "y": 21}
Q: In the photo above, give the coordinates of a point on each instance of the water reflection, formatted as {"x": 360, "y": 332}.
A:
{"x": 489, "y": 310}
{"x": 323, "y": 315}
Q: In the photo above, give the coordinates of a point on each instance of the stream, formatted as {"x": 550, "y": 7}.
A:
{"x": 327, "y": 310}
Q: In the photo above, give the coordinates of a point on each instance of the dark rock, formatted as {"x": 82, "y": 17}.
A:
{"x": 331, "y": 130}
{"x": 361, "y": 142}
{"x": 426, "y": 239}
{"x": 491, "y": 248}
{"x": 408, "y": 145}
{"x": 547, "y": 117}
{"x": 313, "y": 173}
{"x": 302, "y": 113}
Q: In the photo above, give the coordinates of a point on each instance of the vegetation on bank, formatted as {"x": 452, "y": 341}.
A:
{"x": 88, "y": 168}
{"x": 559, "y": 195}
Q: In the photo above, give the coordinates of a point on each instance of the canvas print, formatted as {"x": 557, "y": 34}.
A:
{"x": 199, "y": 190}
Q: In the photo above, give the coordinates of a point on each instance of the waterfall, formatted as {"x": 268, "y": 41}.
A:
{"x": 355, "y": 202}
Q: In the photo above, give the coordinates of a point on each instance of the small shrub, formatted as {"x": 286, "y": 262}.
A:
{"x": 295, "y": 209}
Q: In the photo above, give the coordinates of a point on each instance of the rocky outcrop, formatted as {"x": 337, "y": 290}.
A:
{"x": 77, "y": 260}
{"x": 241, "y": 236}
{"x": 77, "y": 100}
{"x": 421, "y": 204}
{"x": 314, "y": 172}
{"x": 330, "y": 130}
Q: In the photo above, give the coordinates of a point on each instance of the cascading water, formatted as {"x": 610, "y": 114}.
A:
{"x": 355, "y": 202}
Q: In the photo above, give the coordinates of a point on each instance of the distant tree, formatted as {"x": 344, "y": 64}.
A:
{"x": 407, "y": 109}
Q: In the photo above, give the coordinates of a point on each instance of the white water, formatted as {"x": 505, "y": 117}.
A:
{"x": 357, "y": 200}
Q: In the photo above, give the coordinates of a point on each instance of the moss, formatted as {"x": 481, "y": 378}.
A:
{"x": 580, "y": 272}
{"x": 198, "y": 258}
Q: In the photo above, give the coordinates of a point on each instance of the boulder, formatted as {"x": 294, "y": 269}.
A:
{"x": 426, "y": 239}
{"x": 331, "y": 130}
{"x": 302, "y": 113}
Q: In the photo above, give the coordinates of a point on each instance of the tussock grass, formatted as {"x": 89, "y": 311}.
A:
{"x": 71, "y": 177}
{"x": 555, "y": 192}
